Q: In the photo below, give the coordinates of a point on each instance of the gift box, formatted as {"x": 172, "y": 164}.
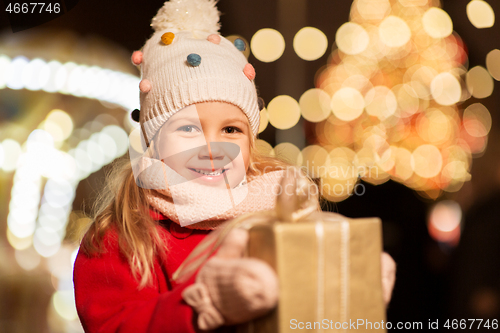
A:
{"x": 328, "y": 265}
{"x": 328, "y": 268}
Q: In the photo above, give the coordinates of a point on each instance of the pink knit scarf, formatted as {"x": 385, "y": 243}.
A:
{"x": 202, "y": 207}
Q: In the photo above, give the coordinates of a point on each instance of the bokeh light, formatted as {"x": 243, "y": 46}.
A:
{"x": 480, "y": 14}
{"x": 11, "y": 152}
{"x": 426, "y": 161}
{"x": 444, "y": 222}
{"x": 288, "y": 152}
{"x": 267, "y": 45}
{"x": 64, "y": 304}
{"x": 437, "y": 23}
{"x": 283, "y": 112}
{"x": 401, "y": 62}
{"x": 380, "y": 102}
{"x": 446, "y": 89}
{"x": 264, "y": 147}
{"x": 314, "y": 158}
{"x": 373, "y": 10}
{"x": 59, "y": 124}
{"x": 264, "y": 120}
{"x": 351, "y": 38}
{"x": 394, "y": 31}
{"x": 347, "y": 104}
{"x": 493, "y": 63}
{"x": 27, "y": 258}
{"x": 310, "y": 43}
{"x": 479, "y": 82}
{"x": 477, "y": 120}
{"x": 315, "y": 105}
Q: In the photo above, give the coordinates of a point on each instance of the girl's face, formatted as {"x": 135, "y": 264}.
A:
{"x": 208, "y": 143}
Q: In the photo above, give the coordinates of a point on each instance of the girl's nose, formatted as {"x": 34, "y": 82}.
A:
{"x": 213, "y": 148}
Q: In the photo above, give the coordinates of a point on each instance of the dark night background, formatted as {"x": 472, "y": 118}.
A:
{"x": 433, "y": 281}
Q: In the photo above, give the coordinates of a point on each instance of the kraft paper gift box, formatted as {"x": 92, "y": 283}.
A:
{"x": 328, "y": 268}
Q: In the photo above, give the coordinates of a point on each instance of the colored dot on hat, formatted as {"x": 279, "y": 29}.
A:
{"x": 167, "y": 38}
{"x": 240, "y": 44}
{"x": 214, "y": 38}
{"x": 249, "y": 72}
{"x": 194, "y": 59}
{"x": 145, "y": 86}
{"x": 137, "y": 58}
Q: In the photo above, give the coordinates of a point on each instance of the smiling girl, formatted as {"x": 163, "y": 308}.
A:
{"x": 199, "y": 120}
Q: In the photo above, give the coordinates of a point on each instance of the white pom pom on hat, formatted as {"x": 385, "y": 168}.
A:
{"x": 190, "y": 65}
{"x": 187, "y": 15}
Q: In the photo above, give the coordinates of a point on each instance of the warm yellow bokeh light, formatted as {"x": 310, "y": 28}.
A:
{"x": 402, "y": 167}
{"x": 446, "y": 89}
{"x": 480, "y": 14}
{"x": 477, "y": 120}
{"x": 437, "y": 23}
{"x": 387, "y": 159}
{"x": 17, "y": 242}
{"x": 402, "y": 63}
{"x": 135, "y": 139}
{"x": 427, "y": 161}
{"x": 267, "y": 45}
{"x": 283, "y": 112}
{"x": 351, "y": 38}
{"x": 373, "y": 10}
{"x": 479, "y": 82}
{"x": 315, "y": 105}
{"x": 314, "y": 159}
{"x": 493, "y": 63}
{"x": 407, "y": 99}
{"x": 264, "y": 120}
{"x": 394, "y": 31}
{"x": 59, "y": 124}
{"x": 64, "y": 304}
{"x": 456, "y": 170}
{"x": 380, "y": 102}
{"x": 421, "y": 80}
{"x": 336, "y": 190}
{"x": 413, "y": 3}
{"x": 434, "y": 126}
{"x": 340, "y": 165}
{"x": 310, "y": 43}
{"x": 264, "y": 147}
{"x": 347, "y": 104}
{"x": 288, "y": 152}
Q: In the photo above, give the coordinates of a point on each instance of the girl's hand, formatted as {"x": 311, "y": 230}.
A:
{"x": 230, "y": 289}
{"x": 388, "y": 268}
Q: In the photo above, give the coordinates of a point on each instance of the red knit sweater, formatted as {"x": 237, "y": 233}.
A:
{"x": 107, "y": 298}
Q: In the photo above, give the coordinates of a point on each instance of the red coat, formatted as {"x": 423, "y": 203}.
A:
{"x": 106, "y": 294}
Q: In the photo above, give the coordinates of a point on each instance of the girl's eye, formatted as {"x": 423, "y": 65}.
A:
{"x": 231, "y": 129}
{"x": 188, "y": 129}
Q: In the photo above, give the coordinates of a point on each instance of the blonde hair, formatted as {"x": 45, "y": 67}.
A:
{"x": 123, "y": 206}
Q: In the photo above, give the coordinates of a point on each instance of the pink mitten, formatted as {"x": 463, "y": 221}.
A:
{"x": 230, "y": 289}
{"x": 388, "y": 268}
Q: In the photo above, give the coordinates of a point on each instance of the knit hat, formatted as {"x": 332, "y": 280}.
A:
{"x": 186, "y": 61}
